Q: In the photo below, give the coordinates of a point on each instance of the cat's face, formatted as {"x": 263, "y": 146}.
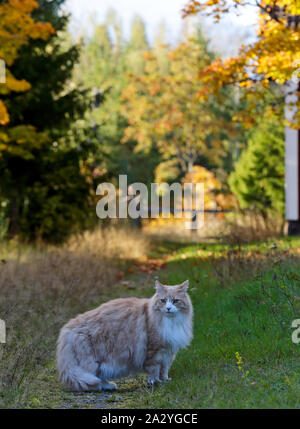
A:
{"x": 171, "y": 300}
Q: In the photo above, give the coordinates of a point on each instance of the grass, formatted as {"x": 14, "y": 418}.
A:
{"x": 242, "y": 355}
{"x": 245, "y": 298}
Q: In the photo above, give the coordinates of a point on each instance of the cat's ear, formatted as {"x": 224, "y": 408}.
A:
{"x": 159, "y": 287}
{"x": 183, "y": 287}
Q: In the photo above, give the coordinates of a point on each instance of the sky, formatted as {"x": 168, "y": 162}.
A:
{"x": 225, "y": 36}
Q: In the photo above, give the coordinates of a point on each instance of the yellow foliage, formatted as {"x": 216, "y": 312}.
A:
{"x": 212, "y": 200}
{"x": 4, "y": 116}
{"x": 16, "y": 28}
{"x": 274, "y": 56}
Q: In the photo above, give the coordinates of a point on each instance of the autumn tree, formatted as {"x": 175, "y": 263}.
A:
{"x": 273, "y": 57}
{"x": 17, "y": 27}
{"x": 163, "y": 109}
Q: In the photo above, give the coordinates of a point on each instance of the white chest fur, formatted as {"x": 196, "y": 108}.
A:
{"x": 176, "y": 331}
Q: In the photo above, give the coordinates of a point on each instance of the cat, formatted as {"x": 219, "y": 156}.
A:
{"x": 125, "y": 336}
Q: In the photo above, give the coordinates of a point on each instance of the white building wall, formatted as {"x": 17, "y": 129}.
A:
{"x": 291, "y": 156}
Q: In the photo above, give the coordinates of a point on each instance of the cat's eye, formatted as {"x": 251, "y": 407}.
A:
{"x": 174, "y": 301}
{"x": 163, "y": 300}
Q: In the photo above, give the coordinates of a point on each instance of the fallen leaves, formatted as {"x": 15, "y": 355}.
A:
{"x": 151, "y": 265}
{"x": 144, "y": 265}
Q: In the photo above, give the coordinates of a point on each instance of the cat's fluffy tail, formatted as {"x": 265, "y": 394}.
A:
{"x": 71, "y": 374}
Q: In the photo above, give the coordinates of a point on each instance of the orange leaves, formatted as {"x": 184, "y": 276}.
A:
{"x": 274, "y": 56}
{"x": 163, "y": 107}
{"x": 216, "y": 8}
{"x": 144, "y": 265}
{"x": 147, "y": 55}
{"x": 26, "y": 6}
{"x": 212, "y": 7}
{"x": 41, "y": 30}
{"x": 154, "y": 89}
{"x": 211, "y": 183}
{"x": 4, "y": 116}
{"x": 13, "y": 84}
{"x": 191, "y": 8}
{"x": 226, "y": 201}
{"x": 221, "y": 73}
{"x": 150, "y": 265}
{"x": 16, "y": 28}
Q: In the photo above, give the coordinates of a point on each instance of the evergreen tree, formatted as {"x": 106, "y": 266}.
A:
{"x": 138, "y": 38}
{"x": 258, "y": 179}
{"x": 137, "y": 45}
{"x": 46, "y": 190}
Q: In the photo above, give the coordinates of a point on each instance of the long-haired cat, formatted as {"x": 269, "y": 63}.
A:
{"x": 125, "y": 336}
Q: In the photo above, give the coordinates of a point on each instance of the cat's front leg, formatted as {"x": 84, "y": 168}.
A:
{"x": 164, "y": 374}
{"x": 165, "y": 365}
{"x": 153, "y": 374}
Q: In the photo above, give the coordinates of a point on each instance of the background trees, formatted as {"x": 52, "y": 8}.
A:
{"x": 75, "y": 114}
{"x": 259, "y": 70}
{"x": 106, "y": 61}
{"x": 43, "y": 186}
{"x": 164, "y": 110}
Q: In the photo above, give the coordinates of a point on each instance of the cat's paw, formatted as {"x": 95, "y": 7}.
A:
{"x": 107, "y": 385}
{"x": 152, "y": 381}
{"x": 166, "y": 378}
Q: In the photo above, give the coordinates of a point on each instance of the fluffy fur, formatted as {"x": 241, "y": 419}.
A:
{"x": 125, "y": 336}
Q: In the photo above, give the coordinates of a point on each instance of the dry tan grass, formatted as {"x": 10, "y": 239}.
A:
{"x": 110, "y": 243}
{"x": 233, "y": 228}
{"x": 251, "y": 226}
{"x": 41, "y": 288}
{"x": 172, "y": 229}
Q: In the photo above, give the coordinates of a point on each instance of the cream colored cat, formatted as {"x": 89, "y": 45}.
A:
{"x": 125, "y": 336}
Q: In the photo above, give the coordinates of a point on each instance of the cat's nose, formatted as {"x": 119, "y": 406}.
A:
{"x": 168, "y": 308}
